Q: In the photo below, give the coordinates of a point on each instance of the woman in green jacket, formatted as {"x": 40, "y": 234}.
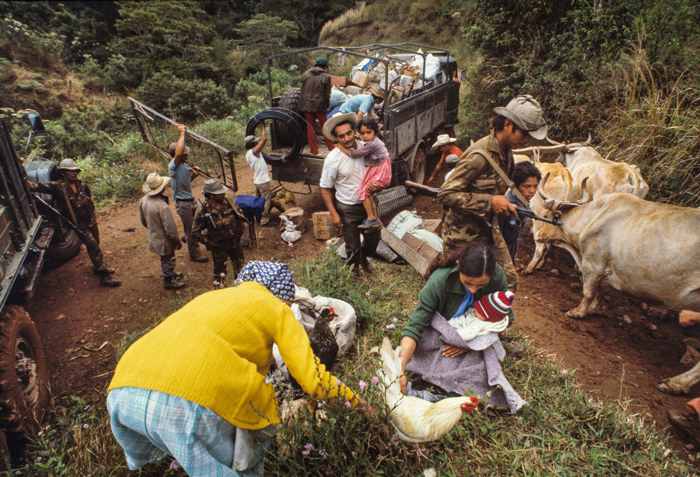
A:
{"x": 455, "y": 284}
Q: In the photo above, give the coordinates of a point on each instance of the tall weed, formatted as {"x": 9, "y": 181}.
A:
{"x": 657, "y": 126}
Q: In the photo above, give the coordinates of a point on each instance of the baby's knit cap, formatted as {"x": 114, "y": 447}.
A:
{"x": 494, "y": 307}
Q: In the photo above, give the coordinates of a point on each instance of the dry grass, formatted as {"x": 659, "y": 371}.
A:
{"x": 657, "y": 126}
{"x": 352, "y": 17}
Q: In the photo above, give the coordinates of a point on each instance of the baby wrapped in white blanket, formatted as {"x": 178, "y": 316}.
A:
{"x": 489, "y": 315}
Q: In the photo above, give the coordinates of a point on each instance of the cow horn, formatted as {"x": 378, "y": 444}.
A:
{"x": 540, "y": 189}
{"x": 585, "y": 195}
{"x": 588, "y": 140}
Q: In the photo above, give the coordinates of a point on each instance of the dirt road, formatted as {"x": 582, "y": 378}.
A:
{"x": 616, "y": 359}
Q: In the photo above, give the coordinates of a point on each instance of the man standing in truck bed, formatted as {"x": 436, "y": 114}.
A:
{"x": 475, "y": 193}
{"x": 315, "y": 99}
{"x": 74, "y": 200}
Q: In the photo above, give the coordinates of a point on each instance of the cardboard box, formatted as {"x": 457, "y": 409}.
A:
{"x": 340, "y": 81}
{"x": 323, "y": 227}
{"x": 360, "y": 79}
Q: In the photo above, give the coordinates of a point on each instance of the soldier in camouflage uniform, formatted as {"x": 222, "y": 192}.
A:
{"x": 475, "y": 193}
{"x": 218, "y": 224}
{"x": 74, "y": 200}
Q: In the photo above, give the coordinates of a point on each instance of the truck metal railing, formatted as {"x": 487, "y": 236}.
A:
{"x": 139, "y": 109}
{"x": 350, "y": 51}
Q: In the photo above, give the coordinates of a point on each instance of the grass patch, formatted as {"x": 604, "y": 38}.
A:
{"x": 562, "y": 431}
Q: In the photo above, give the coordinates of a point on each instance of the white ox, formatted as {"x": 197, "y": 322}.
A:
{"x": 604, "y": 176}
{"x": 646, "y": 249}
{"x": 560, "y": 184}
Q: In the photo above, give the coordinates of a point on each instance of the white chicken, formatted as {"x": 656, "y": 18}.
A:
{"x": 417, "y": 420}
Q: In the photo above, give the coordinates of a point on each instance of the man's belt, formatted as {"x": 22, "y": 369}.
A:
{"x": 184, "y": 200}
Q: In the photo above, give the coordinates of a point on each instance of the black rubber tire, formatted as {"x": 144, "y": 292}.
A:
{"x": 60, "y": 250}
{"x": 24, "y": 392}
{"x": 290, "y": 119}
{"x": 419, "y": 161}
{"x": 290, "y": 100}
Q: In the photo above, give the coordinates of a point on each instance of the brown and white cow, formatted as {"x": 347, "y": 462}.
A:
{"x": 604, "y": 176}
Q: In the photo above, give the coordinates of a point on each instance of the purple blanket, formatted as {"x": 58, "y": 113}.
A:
{"x": 477, "y": 371}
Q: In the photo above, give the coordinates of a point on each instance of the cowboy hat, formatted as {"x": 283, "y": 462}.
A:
{"x": 444, "y": 139}
{"x": 68, "y": 165}
{"x": 214, "y": 187}
{"x": 155, "y": 184}
{"x": 526, "y": 113}
{"x": 328, "y": 128}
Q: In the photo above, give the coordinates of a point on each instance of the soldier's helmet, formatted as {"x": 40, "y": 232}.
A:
{"x": 213, "y": 186}
{"x": 68, "y": 165}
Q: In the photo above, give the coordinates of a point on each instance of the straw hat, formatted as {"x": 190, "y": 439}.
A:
{"x": 334, "y": 121}
{"x": 444, "y": 139}
{"x": 214, "y": 187}
{"x": 155, "y": 184}
{"x": 526, "y": 114}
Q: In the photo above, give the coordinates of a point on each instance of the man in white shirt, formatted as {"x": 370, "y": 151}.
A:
{"x": 261, "y": 175}
{"x": 345, "y": 174}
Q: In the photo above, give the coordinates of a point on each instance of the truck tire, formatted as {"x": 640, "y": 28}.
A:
{"x": 60, "y": 250}
{"x": 290, "y": 100}
{"x": 419, "y": 160}
{"x": 23, "y": 374}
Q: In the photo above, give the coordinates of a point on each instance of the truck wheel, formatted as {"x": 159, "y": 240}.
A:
{"x": 63, "y": 247}
{"x": 290, "y": 100}
{"x": 418, "y": 173}
{"x": 23, "y": 374}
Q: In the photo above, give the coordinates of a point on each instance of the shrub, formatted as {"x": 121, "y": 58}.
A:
{"x": 185, "y": 100}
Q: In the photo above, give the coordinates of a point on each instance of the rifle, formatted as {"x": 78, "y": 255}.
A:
{"x": 68, "y": 222}
{"x": 531, "y": 214}
{"x": 433, "y": 191}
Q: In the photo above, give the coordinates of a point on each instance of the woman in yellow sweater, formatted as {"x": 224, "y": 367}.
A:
{"x": 194, "y": 387}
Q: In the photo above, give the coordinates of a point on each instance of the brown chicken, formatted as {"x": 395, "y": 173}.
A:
{"x": 323, "y": 342}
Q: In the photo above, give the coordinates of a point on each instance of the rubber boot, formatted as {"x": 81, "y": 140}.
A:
{"x": 366, "y": 266}
{"x": 171, "y": 284}
{"x": 107, "y": 281}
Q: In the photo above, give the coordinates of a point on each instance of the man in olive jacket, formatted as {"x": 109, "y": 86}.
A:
{"x": 315, "y": 99}
{"x": 163, "y": 239}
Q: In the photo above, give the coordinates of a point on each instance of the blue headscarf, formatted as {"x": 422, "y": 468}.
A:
{"x": 276, "y": 277}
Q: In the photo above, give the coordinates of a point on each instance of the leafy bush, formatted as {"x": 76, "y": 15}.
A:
{"x": 185, "y": 100}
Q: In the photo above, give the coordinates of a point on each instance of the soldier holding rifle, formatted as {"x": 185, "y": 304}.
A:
{"x": 218, "y": 224}
{"x": 74, "y": 201}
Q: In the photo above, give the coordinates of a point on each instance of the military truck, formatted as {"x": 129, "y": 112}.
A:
{"x": 412, "y": 116}
{"x": 25, "y": 237}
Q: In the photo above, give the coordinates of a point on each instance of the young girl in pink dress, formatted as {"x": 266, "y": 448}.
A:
{"x": 378, "y": 171}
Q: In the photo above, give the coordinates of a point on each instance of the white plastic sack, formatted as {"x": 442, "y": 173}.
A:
{"x": 290, "y": 234}
{"x": 404, "y": 222}
{"x": 342, "y": 326}
{"x": 432, "y": 66}
{"x": 428, "y": 237}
